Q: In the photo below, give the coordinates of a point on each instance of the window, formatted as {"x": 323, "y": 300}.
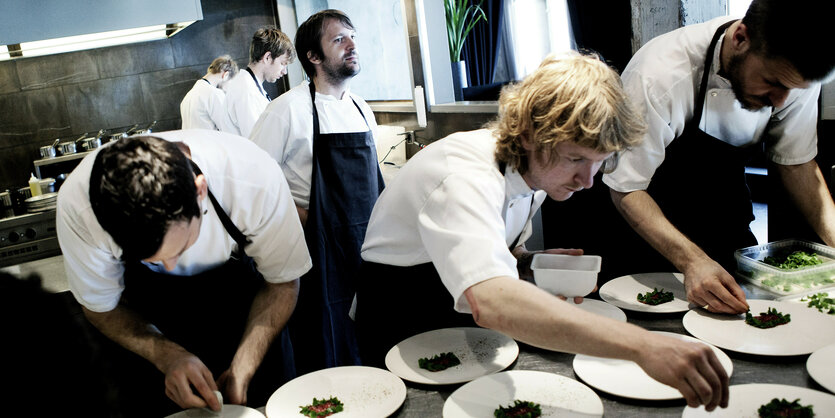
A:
{"x": 536, "y": 28}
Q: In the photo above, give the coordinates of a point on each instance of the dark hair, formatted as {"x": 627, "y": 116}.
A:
{"x": 792, "y": 30}
{"x": 309, "y": 36}
{"x": 138, "y": 187}
{"x": 269, "y": 39}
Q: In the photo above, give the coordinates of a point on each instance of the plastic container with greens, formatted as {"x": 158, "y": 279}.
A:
{"x": 779, "y": 267}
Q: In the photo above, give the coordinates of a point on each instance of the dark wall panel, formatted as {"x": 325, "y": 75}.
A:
{"x": 8, "y": 78}
{"x": 164, "y": 90}
{"x": 109, "y": 102}
{"x": 32, "y": 116}
{"x": 135, "y": 59}
{"x": 57, "y": 70}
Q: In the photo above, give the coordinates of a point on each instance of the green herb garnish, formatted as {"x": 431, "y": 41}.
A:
{"x": 795, "y": 260}
{"x": 519, "y": 409}
{"x": 769, "y": 319}
{"x": 656, "y": 297}
{"x": 322, "y": 407}
{"x": 783, "y": 408}
{"x": 439, "y": 362}
{"x": 821, "y": 301}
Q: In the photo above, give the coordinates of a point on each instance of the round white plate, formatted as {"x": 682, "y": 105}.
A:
{"x": 481, "y": 351}
{"x": 820, "y": 367}
{"x": 626, "y": 379}
{"x": 745, "y": 400}
{"x": 807, "y": 331}
{"x": 600, "y": 308}
{"x": 364, "y": 391}
{"x": 797, "y": 299}
{"x": 557, "y": 395}
{"x": 623, "y": 292}
{"x": 228, "y": 411}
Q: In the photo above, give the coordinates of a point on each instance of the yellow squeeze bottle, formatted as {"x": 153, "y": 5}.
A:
{"x": 35, "y": 185}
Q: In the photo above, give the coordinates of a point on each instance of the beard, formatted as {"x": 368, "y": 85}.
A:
{"x": 340, "y": 71}
{"x": 734, "y": 74}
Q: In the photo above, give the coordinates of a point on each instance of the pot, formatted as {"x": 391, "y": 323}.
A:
{"x": 89, "y": 144}
{"x": 5, "y": 200}
{"x": 47, "y": 185}
{"x": 67, "y": 148}
{"x": 47, "y": 151}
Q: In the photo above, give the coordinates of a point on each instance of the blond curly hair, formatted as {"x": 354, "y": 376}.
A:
{"x": 570, "y": 97}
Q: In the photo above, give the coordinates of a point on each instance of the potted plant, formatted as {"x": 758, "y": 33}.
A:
{"x": 461, "y": 17}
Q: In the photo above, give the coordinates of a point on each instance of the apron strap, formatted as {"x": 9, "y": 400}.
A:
{"x": 257, "y": 84}
{"x": 700, "y": 101}
{"x": 230, "y": 227}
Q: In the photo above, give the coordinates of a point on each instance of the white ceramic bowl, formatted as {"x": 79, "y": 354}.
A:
{"x": 566, "y": 275}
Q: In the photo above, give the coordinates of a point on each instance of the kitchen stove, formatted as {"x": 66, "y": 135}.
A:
{"x": 28, "y": 237}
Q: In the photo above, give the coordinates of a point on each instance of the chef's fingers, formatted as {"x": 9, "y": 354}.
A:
{"x": 721, "y": 300}
{"x": 205, "y": 387}
{"x": 724, "y": 380}
{"x": 713, "y": 375}
{"x": 568, "y": 251}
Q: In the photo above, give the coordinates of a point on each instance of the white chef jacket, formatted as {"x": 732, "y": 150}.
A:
{"x": 662, "y": 80}
{"x": 204, "y": 107}
{"x": 451, "y": 206}
{"x": 244, "y": 103}
{"x": 246, "y": 182}
{"x": 285, "y": 131}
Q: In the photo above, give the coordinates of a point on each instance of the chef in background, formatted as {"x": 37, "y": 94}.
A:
{"x": 712, "y": 95}
{"x": 328, "y": 156}
{"x": 447, "y": 236}
{"x": 270, "y": 52}
{"x": 204, "y": 106}
{"x": 161, "y": 237}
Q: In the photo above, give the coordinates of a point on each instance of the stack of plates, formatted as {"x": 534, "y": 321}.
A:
{"x": 42, "y": 203}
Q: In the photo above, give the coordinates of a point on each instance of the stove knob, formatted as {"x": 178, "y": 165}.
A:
{"x": 13, "y": 236}
{"x": 30, "y": 233}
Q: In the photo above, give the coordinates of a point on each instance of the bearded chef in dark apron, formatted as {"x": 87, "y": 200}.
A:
{"x": 711, "y": 101}
{"x": 199, "y": 308}
{"x": 321, "y": 135}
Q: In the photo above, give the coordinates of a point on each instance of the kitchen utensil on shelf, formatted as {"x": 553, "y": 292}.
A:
{"x": 47, "y": 185}
{"x": 67, "y": 148}
{"x": 146, "y": 130}
{"x": 49, "y": 151}
{"x": 89, "y": 144}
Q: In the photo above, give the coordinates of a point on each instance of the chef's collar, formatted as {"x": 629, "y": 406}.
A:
{"x": 328, "y": 97}
{"x": 515, "y": 185}
{"x": 718, "y": 81}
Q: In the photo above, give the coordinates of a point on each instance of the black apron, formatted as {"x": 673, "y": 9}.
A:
{"x": 395, "y": 303}
{"x": 701, "y": 185}
{"x": 207, "y": 315}
{"x": 345, "y": 184}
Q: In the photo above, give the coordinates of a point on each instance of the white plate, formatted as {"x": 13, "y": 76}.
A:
{"x": 623, "y": 292}
{"x": 820, "y": 367}
{"x": 600, "y": 308}
{"x": 557, "y": 395}
{"x": 365, "y": 392}
{"x": 807, "y": 331}
{"x": 228, "y": 411}
{"x": 627, "y": 379}
{"x": 481, "y": 351}
{"x": 744, "y": 400}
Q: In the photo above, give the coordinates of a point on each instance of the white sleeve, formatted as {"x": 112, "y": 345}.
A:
{"x": 792, "y": 133}
{"x": 94, "y": 273}
{"x": 248, "y": 111}
{"x": 272, "y": 225}
{"x": 272, "y": 131}
{"x": 638, "y": 164}
{"x": 462, "y": 230}
{"x": 217, "y": 111}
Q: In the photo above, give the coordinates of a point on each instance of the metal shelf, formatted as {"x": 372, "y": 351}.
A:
{"x": 55, "y": 160}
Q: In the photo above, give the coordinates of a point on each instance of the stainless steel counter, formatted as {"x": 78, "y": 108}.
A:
{"x": 428, "y": 401}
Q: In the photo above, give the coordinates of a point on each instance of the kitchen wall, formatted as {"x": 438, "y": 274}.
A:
{"x": 66, "y": 95}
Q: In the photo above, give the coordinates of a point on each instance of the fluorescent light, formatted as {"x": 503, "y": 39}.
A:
{"x": 95, "y": 40}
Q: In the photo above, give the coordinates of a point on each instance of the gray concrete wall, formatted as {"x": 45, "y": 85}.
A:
{"x": 651, "y": 18}
{"x": 66, "y": 95}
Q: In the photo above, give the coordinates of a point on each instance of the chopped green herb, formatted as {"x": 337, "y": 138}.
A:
{"x": 769, "y": 319}
{"x": 439, "y": 362}
{"x": 795, "y": 260}
{"x": 656, "y": 297}
{"x": 783, "y": 408}
{"x": 519, "y": 409}
{"x": 322, "y": 407}
{"x": 821, "y": 301}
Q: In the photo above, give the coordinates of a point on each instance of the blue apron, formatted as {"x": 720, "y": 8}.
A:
{"x": 345, "y": 184}
{"x": 206, "y": 314}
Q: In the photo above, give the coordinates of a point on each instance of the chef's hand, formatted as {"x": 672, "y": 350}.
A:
{"x": 525, "y": 257}
{"x": 185, "y": 371}
{"x": 690, "y": 367}
{"x": 234, "y": 387}
{"x": 708, "y": 284}
{"x": 577, "y": 299}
